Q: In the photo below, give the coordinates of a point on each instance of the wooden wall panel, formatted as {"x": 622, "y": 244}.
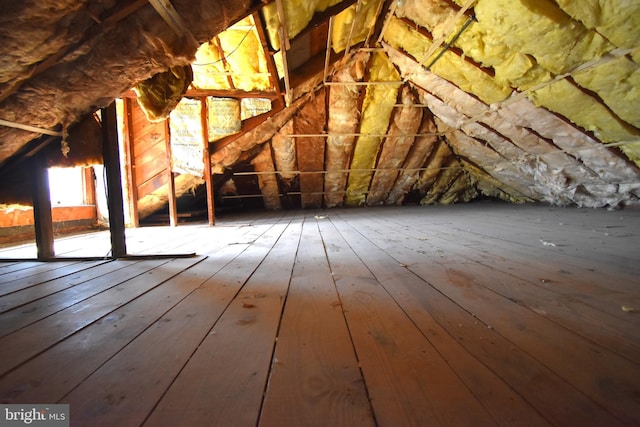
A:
{"x": 147, "y": 170}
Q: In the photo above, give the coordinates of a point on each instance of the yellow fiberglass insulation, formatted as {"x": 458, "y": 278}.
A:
{"x": 377, "y": 106}
{"x": 297, "y": 14}
{"x": 449, "y": 66}
{"x": 617, "y": 20}
{"x": 521, "y": 72}
{"x": 511, "y": 68}
{"x": 245, "y": 57}
{"x": 566, "y": 99}
{"x": 238, "y": 51}
{"x": 355, "y": 22}
{"x": 539, "y": 28}
{"x": 208, "y": 68}
{"x": 437, "y": 16}
{"x": 617, "y": 82}
{"x": 160, "y": 94}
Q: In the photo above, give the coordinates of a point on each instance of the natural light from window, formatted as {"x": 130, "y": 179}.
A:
{"x": 65, "y": 186}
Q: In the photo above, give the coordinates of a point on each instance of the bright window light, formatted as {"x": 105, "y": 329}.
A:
{"x": 65, "y": 186}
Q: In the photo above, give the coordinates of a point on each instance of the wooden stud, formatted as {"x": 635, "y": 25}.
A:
{"x": 129, "y": 161}
{"x": 327, "y": 57}
{"x": 111, "y": 156}
{"x": 43, "y": 220}
{"x": 171, "y": 184}
{"x": 208, "y": 179}
{"x": 271, "y": 66}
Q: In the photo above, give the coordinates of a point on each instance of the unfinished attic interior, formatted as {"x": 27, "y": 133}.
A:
{"x": 321, "y": 212}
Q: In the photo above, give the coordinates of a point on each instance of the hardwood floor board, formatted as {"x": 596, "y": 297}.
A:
{"x": 588, "y": 366}
{"x": 224, "y": 381}
{"x": 31, "y": 340}
{"x": 187, "y": 238}
{"x": 170, "y": 240}
{"x": 581, "y": 235}
{"x": 607, "y": 276}
{"x": 150, "y": 361}
{"x": 529, "y": 377}
{"x": 38, "y": 301}
{"x": 37, "y": 274}
{"x": 595, "y": 234}
{"x": 579, "y": 361}
{"x": 440, "y": 315}
{"x": 315, "y": 378}
{"x": 407, "y": 379}
{"x": 13, "y": 266}
{"x": 589, "y": 320}
{"x": 607, "y": 292}
{"x": 20, "y": 251}
{"x": 505, "y": 404}
{"x": 54, "y": 373}
{"x": 97, "y": 244}
{"x": 617, "y": 336}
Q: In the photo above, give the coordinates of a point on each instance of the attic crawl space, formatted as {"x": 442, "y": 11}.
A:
{"x": 325, "y": 103}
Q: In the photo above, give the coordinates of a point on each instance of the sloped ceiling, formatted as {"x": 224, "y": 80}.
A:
{"x": 430, "y": 101}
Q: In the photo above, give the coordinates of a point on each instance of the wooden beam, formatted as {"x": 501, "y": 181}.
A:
{"x": 111, "y": 157}
{"x": 42, "y": 217}
{"x": 129, "y": 161}
{"x": 271, "y": 65}
{"x": 173, "y": 19}
{"x": 88, "y": 186}
{"x": 208, "y": 179}
{"x": 285, "y": 44}
{"x": 353, "y": 25}
{"x": 319, "y": 18}
{"x": 248, "y": 125}
{"x": 171, "y": 184}
{"x": 220, "y": 93}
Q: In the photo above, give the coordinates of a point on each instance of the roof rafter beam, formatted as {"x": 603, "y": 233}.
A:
{"x": 171, "y": 16}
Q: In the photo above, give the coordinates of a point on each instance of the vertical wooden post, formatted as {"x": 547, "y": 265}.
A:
{"x": 171, "y": 183}
{"x": 42, "y": 217}
{"x": 88, "y": 186}
{"x": 129, "y": 160}
{"x": 115, "y": 203}
{"x": 208, "y": 179}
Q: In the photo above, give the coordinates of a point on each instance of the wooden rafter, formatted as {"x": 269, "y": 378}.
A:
{"x": 223, "y": 93}
{"x": 171, "y": 16}
{"x": 271, "y": 65}
{"x": 284, "y": 45}
{"x": 276, "y": 95}
{"x": 224, "y": 61}
{"x": 319, "y": 18}
{"x": 129, "y": 160}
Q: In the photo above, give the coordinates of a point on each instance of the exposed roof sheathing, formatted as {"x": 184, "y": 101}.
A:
{"x": 431, "y": 101}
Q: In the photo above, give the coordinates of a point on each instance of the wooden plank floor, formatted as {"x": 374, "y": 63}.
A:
{"x": 482, "y": 314}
